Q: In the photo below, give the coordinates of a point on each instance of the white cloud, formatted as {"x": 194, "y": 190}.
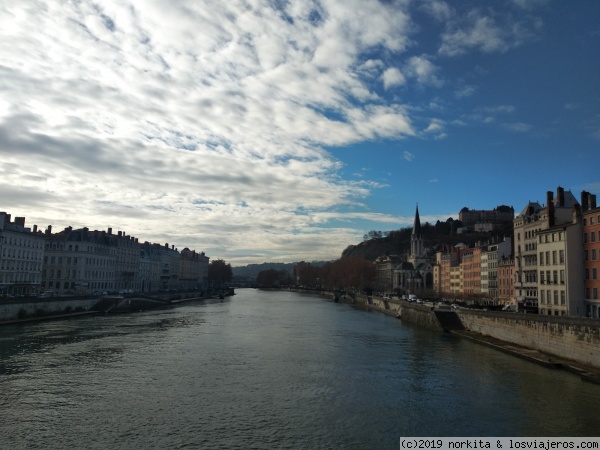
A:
{"x": 439, "y": 10}
{"x": 487, "y": 33}
{"x": 393, "y": 77}
{"x": 423, "y": 70}
{"x": 408, "y": 156}
{"x": 198, "y": 123}
{"x": 518, "y": 127}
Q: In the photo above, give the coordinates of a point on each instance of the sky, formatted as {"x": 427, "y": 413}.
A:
{"x": 283, "y": 130}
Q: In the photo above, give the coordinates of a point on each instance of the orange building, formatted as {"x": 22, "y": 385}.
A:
{"x": 590, "y": 218}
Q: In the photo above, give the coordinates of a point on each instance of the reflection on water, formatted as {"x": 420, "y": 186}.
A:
{"x": 269, "y": 370}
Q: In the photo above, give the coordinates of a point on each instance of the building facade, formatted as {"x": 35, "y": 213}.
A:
{"x": 21, "y": 257}
{"x": 590, "y": 221}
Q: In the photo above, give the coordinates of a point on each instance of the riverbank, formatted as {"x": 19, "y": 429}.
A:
{"x": 36, "y": 310}
{"x": 573, "y": 336}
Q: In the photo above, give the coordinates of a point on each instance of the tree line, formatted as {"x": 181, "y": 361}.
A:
{"x": 348, "y": 273}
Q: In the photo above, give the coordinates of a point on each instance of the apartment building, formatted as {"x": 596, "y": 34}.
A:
{"x": 193, "y": 270}
{"x": 148, "y": 277}
{"x": 127, "y": 260}
{"x": 590, "y": 221}
{"x": 560, "y": 265}
{"x": 471, "y": 270}
{"x": 532, "y": 220}
{"x": 489, "y": 267}
{"x": 21, "y": 257}
{"x": 506, "y": 280}
{"x": 78, "y": 262}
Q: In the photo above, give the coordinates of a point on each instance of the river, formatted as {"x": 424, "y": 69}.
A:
{"x": 269, "y": 370}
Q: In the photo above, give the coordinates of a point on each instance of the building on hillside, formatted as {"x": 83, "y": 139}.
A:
{"x": 21, "y": 257}
{"x": 486, "y": 219}
{"x": 590, "y": 221}
{"x": 532, "y": 220}
{"x": 560, "y": 264}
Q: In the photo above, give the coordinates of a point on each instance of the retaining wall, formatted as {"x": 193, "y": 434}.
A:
{"x": 10, "y": 311}
{"x": 573, "y": 338}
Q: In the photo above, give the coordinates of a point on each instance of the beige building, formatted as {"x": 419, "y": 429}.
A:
{"x": 560, "y": 266}
{"x": 21, "y": 257}
{"x": 527, "y": 225}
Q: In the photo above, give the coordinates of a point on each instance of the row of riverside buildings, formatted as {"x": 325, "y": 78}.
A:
{"x": 550, "y": 265}
{"x": 84, "y": 262}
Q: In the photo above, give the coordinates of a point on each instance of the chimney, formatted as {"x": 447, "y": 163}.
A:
{"x": 560, "y": 194}
{"x": 20, "y": 221}
{"x": 49, "y": 230}
{"x": 35, "y": 228}
{"x": 585, "y": 201}
{"x": 110, "y": 231}
{"x": 550, "y": 206}
{"x": 173, "y": 247}
{"x": 592, "y": 201}
{"x": 120, "y": 233}
{"x": 576, "y": 211}
{"x": 167, "y": 245}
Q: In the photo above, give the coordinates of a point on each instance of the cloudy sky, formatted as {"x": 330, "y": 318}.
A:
{"x": 283, "y": 130}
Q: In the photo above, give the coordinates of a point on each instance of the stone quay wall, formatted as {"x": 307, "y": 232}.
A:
{"x": 573, "y": 338}
{"x": 12, "y": 310}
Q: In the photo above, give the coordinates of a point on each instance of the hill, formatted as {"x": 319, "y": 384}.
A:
{"x": 435, "y": 237}
{"x": 252, "y": 270}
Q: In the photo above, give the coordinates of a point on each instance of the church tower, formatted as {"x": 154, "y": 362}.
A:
{"x": 416, "y": 240}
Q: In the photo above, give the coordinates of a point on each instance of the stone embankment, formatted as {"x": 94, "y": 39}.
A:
{"x": 570, "y": 343}
{"x": 36, "y": 309}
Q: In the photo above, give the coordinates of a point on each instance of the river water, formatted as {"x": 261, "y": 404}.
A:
{"x": 269, "y": 370}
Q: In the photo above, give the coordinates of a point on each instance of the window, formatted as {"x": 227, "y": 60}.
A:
{"x": 591, "y": 220}
{"x": 555, "y": 276}
{"x": 587, "y": 292}
{"x": 595, "y": 293}
{"x": 541, "y": 258}
{"x": 587, "y": 274}
{"x": 592, "y": 236}
{"x": 554, "y": 257}
{"x": 593, "y": 254}
{"x": 585, "y": 255}
{"x": 594, "y": 274}
{"x": 563, "y": 298}
{"x": 547, "y": 258}
{"x": 561, "y": 255}
{"x": 556, "y": 297}
{"x": 542, "y": 276}
{"x": 584, "y": 238}
{"x": 562, "y": 277}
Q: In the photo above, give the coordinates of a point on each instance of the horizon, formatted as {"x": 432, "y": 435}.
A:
{"x": 285, "y": 132}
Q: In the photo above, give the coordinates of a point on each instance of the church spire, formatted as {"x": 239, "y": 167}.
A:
{"x": 417, "y": 225}
{"x": 416, "y": 240}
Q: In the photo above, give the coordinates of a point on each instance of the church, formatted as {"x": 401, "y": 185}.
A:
{"x": 408, "y": 274}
